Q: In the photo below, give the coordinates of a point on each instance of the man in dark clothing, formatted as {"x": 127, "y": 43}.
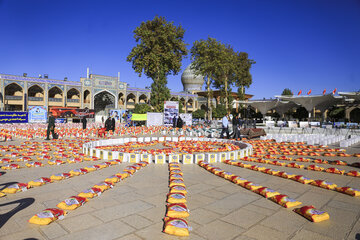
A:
{"x": 235, "y": 123}
{"x": 51, "y": 127}
{"x": 180, "y": 122}
{"x": 84, "y": 121}
{"x": 108, "y": 124}
{"x": 174, "y": 121}
{"x": 113, "y": 124}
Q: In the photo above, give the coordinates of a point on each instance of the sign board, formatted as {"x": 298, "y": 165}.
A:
{"x": 13, "y": 117}
{"x": 187, "y": 118}
{"x": 270, "y": 123}
{"x": 292, "y": 124}
{"x": 117, "y": 114}
{"x": 63, "y": 112}
{"x": 171, "y": 110}
{"x": 315, "y": 124}
{"x": 60, "y": 120}
{"x": 304, "y": 124}
{"x": 154, "y": 119}
{"x": 37, "y": 114}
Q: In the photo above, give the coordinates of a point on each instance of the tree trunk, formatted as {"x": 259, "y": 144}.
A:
{"x": 226, "y": 94}
{"x": 209, "y": 110}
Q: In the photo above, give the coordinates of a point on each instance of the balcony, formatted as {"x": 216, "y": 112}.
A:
{"x": 55, "y": 99}
{"x": 8, "y": 97}
{"x": 38, "y": 99}
{"x": 73, "y": 100}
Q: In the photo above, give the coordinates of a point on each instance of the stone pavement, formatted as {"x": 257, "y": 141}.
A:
{"x": 219, "y": 209}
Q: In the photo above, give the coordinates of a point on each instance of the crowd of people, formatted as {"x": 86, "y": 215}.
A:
{"x": 237, "y": 124}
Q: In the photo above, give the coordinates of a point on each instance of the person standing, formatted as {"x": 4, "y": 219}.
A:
{"x": 108, "y": 124}
{"x": 51, "y": 127}
{"x": 235, "y": 123}
{"x": 225, "y": 126}
{"x": 179, "y": 123}
{"x": 113, "y": 124}
{"x": 174, "y": 122}
{"x": 84, "y": 121}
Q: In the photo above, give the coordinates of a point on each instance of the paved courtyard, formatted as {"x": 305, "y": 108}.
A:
{"x": 219, "y": 209}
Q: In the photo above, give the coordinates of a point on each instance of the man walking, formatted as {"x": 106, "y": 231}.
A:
{"x": 51, "y": 127}
{"x": 225, "y": 126}
{"x": 84, "y": 121}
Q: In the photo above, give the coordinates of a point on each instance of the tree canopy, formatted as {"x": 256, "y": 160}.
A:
{"x": 222, "y": 67}
{"x": 287, "y": 92}
{"x": 142, "y": 108}
{"x": 158, "y": 53}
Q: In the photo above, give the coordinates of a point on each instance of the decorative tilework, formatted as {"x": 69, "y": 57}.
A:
{"x": 55, "y": 85}
{"x": 7, "y": 82}
{"x": 30, "y": 84}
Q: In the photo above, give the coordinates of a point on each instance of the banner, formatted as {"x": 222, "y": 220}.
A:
{"x": 60, "y": 120}
{"x": 154, "y": 119}
{"x": 171, "y": 110}
{"x": 62, "y": 112}
{"x": 37, "y": 114}
{"x": 304, "y": 124}
{"x": 13, "y": 117}
{"x": 292, "y": 124}
{"x": 139, "y": 117}
{"x": 187, "y": 118}
{"x": 116, "y": 113}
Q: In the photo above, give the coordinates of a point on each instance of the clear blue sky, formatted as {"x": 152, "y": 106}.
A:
{"x": 298, "y": 44}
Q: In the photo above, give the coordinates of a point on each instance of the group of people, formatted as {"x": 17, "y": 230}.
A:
{"x": 237, "y": 124}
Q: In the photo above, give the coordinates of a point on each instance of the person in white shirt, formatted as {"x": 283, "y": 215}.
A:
{"x": 225, "y": 126}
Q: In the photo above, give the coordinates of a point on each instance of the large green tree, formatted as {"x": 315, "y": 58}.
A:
{"x": 142, "y": 108}
{"x": 158, "y": 53}
{"x": 233, "y": 69}
{"x": 205, "y": 57}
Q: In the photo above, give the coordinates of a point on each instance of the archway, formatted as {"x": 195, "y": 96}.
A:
{"x": 355, "y": 115}
{"x": 130, "y": 101}
{"x": 13, "y": 97}
{"x": 143, "y": 99}
{"x": 182, "y": 105}
{"x": 35, "y": 91}
{"x": 190, "y": 105}
{"x": 103, "y": 100}
{"x": 121, "y": 100}
{"x": 174, "y": 99}
{"x": 13, "y": 91}
{"x": 73, "y": 94}
{"x": 55, "y": 92}
{"x": 203, "y": 107}
{"x": 87, "y": 96}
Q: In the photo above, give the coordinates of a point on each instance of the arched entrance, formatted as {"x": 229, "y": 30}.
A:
{"x": 14, "y": 97}
{"x": 103, "y": 101}
{"x": 87, "y": 96}
{"x": 121, "y": 100}
{"x": 143, "y": 99}
{"x": 130, "y": 101}
{"x": 355, "y": 115}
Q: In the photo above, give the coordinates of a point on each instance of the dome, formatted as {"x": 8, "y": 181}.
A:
{"x": 190, "y": 81}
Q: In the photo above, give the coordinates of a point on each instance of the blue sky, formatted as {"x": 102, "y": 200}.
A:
{"x": 297, "y": 44}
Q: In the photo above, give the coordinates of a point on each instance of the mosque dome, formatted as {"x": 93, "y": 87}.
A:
{"x": 191, "y": 82}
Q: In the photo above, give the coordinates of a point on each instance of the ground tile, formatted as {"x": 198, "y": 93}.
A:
{"x": 265, "y": 233}
{"x": 78, "y": 223}
{"x": 122, "y": 210}
{"x": 202, "y": 216}
{"x": 243, "y": 218}
{"x": 306, "y": 235}
{"x": 136, "y": 221}
{"x": 219, "y": 230}
{"x": 230, "y": 203}
{"x": 53, "y": 230}
{"x": 105, "y": 231}
{"x": 285, "y": 221}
